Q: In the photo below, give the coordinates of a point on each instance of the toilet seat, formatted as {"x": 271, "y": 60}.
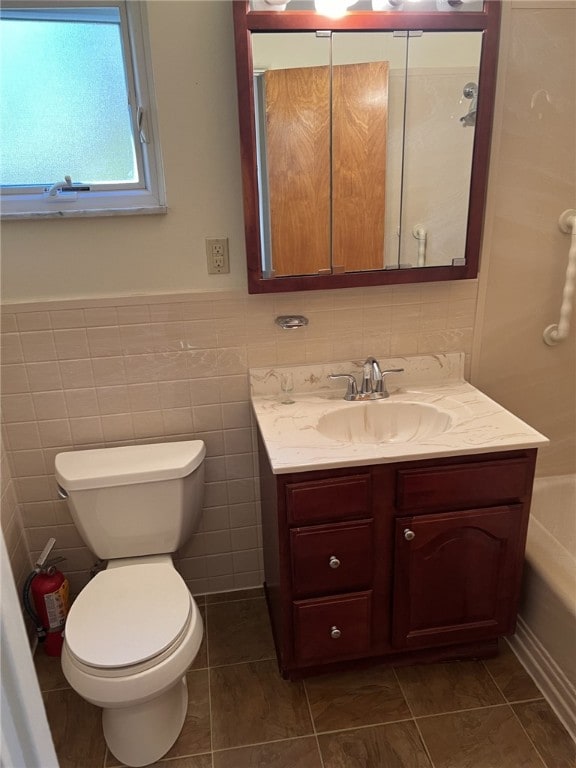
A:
{"x": 134, "y": 669}
{"x": 128, "y": 619}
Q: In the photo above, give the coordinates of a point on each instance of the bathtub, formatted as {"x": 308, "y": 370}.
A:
{"x": 545, "y": 639}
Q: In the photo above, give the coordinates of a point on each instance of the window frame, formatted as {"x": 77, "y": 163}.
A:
{"x": 144, "y": 197}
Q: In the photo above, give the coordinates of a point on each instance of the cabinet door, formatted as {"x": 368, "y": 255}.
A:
{"x": 456, "y": 576}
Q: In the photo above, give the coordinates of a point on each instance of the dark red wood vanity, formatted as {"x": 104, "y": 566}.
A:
{"x": 402, "y": 562}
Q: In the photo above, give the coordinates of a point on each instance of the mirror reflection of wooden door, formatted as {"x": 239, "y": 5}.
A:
{"x": 298, "y": 152}
{"x": 359, "y": 129}
{"x": 298, "y": 143}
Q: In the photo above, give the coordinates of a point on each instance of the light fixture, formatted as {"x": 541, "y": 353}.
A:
{"x": 337, "y": 8}
{"x": 333, "y": 8}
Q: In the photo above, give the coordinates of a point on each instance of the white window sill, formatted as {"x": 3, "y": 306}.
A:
{"x": 67, "y": 213}
{"x": 129, "y": 203}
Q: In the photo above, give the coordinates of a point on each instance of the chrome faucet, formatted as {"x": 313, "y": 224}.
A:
{"x": 373, "y": 381}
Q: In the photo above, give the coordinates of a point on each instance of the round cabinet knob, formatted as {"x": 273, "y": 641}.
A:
{"x": 335, "y": 633}
{"x": 334, "y": 562}
{"x": 408, "y": 534}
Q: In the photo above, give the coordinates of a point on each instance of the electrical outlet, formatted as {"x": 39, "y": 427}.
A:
{"x": 217, "y": 255}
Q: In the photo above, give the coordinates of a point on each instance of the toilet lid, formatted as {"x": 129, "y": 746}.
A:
{"x": 127, "y": 615}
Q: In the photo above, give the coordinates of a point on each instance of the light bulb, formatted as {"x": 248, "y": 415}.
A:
{"x": 333, "y": 8}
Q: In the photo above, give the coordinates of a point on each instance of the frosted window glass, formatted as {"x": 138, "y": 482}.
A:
{"x": 64, "y": 104}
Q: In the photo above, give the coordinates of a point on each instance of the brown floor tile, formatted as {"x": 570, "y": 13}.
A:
{"x": 238, "y": 594}
{"x": 511, "y": 677}
{"x": 49, "y": 671}
{"x": 482, "y": 738}
{"x": 201, "y": 660}
{"x": 251, "y": 704}
{"x": 195, "y": 736}
{"x": 239, "y": 631}
{"x": 396, "y": 745}
{"x": 76, "y": 728}
{"x": 197, "y": 761}
{"x": 547, "y": 734}
{"x": 294, "y": 753}
{"x": 434, "y": 688}
{"x": 355, "y": 698}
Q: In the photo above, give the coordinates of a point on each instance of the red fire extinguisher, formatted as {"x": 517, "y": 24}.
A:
{"x": 46, "y": 599}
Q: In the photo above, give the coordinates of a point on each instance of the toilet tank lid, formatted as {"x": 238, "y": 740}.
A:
{"x": 128, "y": 465}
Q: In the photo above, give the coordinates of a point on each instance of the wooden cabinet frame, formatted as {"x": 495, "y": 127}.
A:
{"x": 246, "y": 22}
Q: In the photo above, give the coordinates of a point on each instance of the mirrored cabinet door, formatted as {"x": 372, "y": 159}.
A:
{"x": 443, "y": 74}
{"x": 292, "y": 95}
{"x": 368, "y": 87}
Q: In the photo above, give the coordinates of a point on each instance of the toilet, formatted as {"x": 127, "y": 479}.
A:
{"x": 134, "y": 630}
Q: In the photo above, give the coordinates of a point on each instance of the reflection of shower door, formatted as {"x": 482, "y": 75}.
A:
{"x": 359, "y": 127}
{"x": 298, "y": 163}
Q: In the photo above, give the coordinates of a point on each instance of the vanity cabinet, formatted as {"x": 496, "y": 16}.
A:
{"x": 401, "y": 562}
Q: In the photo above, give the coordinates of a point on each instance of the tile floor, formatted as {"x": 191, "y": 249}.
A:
{"x": 242, "y": 714}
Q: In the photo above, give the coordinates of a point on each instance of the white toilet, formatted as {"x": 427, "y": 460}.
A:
{"x": 134, "y": 630}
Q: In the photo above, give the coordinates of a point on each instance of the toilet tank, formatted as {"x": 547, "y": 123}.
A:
{"x": 134, "y": 500}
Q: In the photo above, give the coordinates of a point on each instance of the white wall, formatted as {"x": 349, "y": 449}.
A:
{"x": 11, "y": 524}
{"x": 532, "y": 182}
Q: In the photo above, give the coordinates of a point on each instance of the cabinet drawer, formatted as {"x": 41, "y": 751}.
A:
{"x": 331, "y": 558}
{"x": 331, "y": 628}
{"x": 463, "y": 485}
{"x": 333, "y": 498}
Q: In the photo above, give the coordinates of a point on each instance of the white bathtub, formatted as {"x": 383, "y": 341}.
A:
{"x": 545, "y": 639}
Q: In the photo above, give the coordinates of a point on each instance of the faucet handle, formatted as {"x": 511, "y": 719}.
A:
{"x": 352, "y": 390}
{"x": 384, "y": 391}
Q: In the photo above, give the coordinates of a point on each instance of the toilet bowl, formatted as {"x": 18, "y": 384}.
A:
{"x": 134, "y": 669}
{"x": 134, "y": 630}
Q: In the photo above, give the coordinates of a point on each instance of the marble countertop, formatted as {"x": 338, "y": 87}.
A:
{"x": 293, "y": 443}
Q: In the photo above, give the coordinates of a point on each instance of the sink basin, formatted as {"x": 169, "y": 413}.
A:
{"x": 384, "y": 422}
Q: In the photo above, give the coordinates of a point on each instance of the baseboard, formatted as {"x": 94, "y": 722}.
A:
{"x": 557, "y": 689}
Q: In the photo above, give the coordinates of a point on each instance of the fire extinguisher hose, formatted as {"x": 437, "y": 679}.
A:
{"x": 40, "y": 631}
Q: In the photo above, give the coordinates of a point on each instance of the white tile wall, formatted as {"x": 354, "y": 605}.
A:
{"x": 10, "y": 514}
{"x": 108, "y": 372}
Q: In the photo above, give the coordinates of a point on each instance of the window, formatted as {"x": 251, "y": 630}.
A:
{"x": 77, "y": 127}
